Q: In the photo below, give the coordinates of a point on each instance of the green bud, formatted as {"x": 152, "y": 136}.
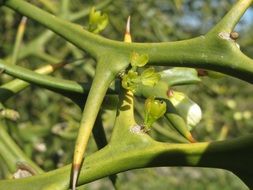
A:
{"x": 149, "y": 77}
{"x": 138, "y": 60}
{"x": 130, "y": 80}
{"x": 97, "y": 21}
{"x": 154, "y": 109}
{"x": 187, "y": 109}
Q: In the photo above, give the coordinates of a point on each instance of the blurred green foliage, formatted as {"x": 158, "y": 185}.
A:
{"x": 48, "y": 123}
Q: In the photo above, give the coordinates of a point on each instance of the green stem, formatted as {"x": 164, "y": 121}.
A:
{"x": 19, "y": 38}
{"x": 65, "y": 8}
{"x": 12, "y": 154}
{"x": 46, "y": 57}
{"x": 13, "y": 87}
{"x": 49, "y": 5}
{"x": 8, "y": 158}
{"x": 229, "y": 154}
{"x": 72, "y": 32}
{"x": 71, "y": 89}
{"x": 38, "y": 44}
{"x": 209, "y": 52}
{"x": 171, "y": 135}
{"x": 4, "y": 170}
{"x": 47, "y": 81}
{"x": 101, "y": 141}
{"x": 33, "y": 47}
{"x": 230, "y": 20}
{"x": 104, "y": 75}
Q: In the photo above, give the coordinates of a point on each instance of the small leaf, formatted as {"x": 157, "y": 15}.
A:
{"x": 138, "y": 60}
{"x": 149, "y": 77}
{"x": 180, "y": 76}
{"x": 97, "y": 21}
{"x": 130, "y": 80}
{"x": 154, "y": 109}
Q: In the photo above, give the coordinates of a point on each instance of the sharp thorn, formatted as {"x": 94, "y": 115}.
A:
{"x": 128, "y": 25}
{"x": 127, "y": 37}
{"x": 191, "y": 138}
{"x": 75, "y": 173}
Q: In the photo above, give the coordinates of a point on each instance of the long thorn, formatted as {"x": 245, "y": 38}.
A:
{"x": 99, "y": 87}
{"x": 96, "y": 95}
{"x": 19, "y": 39}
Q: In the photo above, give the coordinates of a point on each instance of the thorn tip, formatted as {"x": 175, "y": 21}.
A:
{"x": 128, "y": 25}
{"x": 127, "y": 37}
{"x": 191, "y": 138}
{"x": 75, "y": 174}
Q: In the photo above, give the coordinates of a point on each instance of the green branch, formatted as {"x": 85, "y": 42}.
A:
{"x": 71, "y": 32}
{"x": 128, "y": 154}
{"x": 19, "y": 38}
{"x": 209, "y": 52}
{"x": 129, "y": 149}
{"x": 42, "y": 80}
{"x": 12, "y": 154}
{"x": 172, "y": 77}
{"x": 71, "y": 89}
{"x": 230, "y": 20}
{"x": 36, "y": 46}
{"x": 13, "y": 87}
{"x": 105, "y": 74}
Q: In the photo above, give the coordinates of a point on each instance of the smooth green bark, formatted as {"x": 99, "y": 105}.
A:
{"x": 209, "y": 51}
{"x": 127, "y": 148}
{"x": 12, "y": 154}
{"x": 140, "y": 151}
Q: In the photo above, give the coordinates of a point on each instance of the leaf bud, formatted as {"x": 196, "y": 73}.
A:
{"x": 97, "y": 21}
{"x": 154, "y": 109}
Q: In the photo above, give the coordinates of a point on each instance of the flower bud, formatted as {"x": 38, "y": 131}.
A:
{"x": 130, "y": 80}
{"x": 149, "y": 77}
{"x": 138, "y": 60}
{"x": 186, "y": 108}
{"x": 154, "y": 109}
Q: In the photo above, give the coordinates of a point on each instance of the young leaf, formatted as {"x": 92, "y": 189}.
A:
{"x": 180, "y": 76}
{"x": 149, "y": 77}
{"x": 97, "y": 21}
{"x": 138, "y": 60}
{"x": 130, "y": 80}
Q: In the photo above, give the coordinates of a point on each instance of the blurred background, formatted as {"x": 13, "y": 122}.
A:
{"x": 48, "y": 123}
